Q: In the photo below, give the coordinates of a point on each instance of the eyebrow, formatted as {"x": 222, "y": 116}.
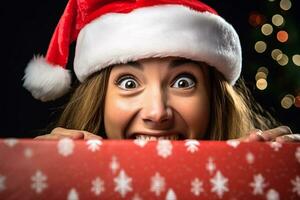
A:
{"x": 173, "y": 64}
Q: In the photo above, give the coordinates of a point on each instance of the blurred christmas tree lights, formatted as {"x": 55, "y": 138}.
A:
{"x": 276, "y": 44}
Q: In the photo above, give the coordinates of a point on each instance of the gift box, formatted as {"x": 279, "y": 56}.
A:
{"x": 140, "y": 169}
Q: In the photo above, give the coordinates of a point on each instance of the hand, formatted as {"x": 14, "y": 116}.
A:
{"x": 279, "y": 134}
{"x": 59, "y": 133}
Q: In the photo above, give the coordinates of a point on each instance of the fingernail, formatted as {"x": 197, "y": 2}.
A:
{"x": 78, "y": 135}
{"x": 264, "y": 135}
{"x": 259, "y": 132}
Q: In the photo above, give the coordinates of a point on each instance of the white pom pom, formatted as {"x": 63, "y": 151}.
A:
{"x": 45, "y": 81}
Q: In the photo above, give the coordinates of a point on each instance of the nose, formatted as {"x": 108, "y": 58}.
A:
{"x": 155, "y": 111}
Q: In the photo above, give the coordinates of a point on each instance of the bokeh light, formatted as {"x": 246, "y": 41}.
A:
{"x": 256, "y": 19}
{"x": 267, "y": 29}
{"x": 263, "y": 69}
{"x": 261, "y": 84}
{"x": 296, "y": 59}
{"x": 282, "y": 36}
{"x": 260, "y": 46}
{"x": 297, "y": 101}
{"x": 260, "y": 75}
{"x": 287, "y": 101}
{"x": 285, "y": 4}
{"x": 277, "y": 20}
{"x": 284, "y": 60}
{"x": 276, "y": 54}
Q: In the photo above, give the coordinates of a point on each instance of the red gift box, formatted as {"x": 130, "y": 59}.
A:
{"x": 137, "y": 169}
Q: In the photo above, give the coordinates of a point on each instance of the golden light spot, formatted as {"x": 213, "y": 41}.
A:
{"x": 260, "y": 75}
{"x": 276, "y": 54}
{"x": 267, "y": 29}
{"x": 284, "y": 60}
{"x": 296, "y": 59}
{"x": 285, "y": 4}
{"x": 282, "y": 36}
{"x": 277, "y": 20}
{"x": 287, "y": 101}
{"x": 260, "y": 46}
{"x": 263, "y": 69}
{"x": 261, "y": 84}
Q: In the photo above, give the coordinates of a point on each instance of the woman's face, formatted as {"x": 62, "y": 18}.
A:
{"x": 157, "y": 98}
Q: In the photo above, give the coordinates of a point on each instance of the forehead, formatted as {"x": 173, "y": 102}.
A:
{"x": 169, "y": 62}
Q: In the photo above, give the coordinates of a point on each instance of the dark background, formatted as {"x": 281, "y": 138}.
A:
{"x": 26, "y": 29}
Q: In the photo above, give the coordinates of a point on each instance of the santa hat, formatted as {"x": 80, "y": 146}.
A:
{"x": 114, "y": 32}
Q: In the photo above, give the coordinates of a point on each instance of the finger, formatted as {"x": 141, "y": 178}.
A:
{"x": 64, "y": 131}
{"x": 252, "y": 136}
{"x": 57, "y": 136}
{"x": 47, "y": 137}
{"x": 89, "y": 136}
{"x": 74, "y": 134}
{"x": 67, "y": 132}
{"x": 272, "y": 134}
{"x": 289, "y": 138}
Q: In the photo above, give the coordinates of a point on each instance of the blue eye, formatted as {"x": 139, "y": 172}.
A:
{"x": 184, "y": 81}
{"x": 127, "y": 83}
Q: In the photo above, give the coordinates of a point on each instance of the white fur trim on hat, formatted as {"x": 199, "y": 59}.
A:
{"x": 45, "y": 81}
{"x": 158, "y": 31}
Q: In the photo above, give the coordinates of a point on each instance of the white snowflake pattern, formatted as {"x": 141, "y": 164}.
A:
{"x": 11, "y": 142}
{"x": 164, "y": 148}
{"x": 2, "y": 182}
{"x": 28, "y": 152}
{"x": 197, "y": 187}
{"x": 275, "y": 145}
{"x": 39, "y": 182}
{"x": 157, "y": 184}
{"x": 210, "y": 166}
{"x": 219, "y": 184}
{"x": 123, "y": 183}
{"x": 296, "y": 185}
{"x": 258, "y": 184}
{"x": 250, "y": 158}
{"x": 136, "y": 197}
{"x": 97, "y": 186}
{"x": 297, "y": 154}
{"x": 73, "y": 195}
{"x": 171, "y": 195}
{"x": 192, "y": 145}
{"x": 140, "y": 142}
{"x": 114, "y": 165}
{"x": 272, "y": 195}
{"x": 94, "y": 144}
{"x": 233, "y": 143}
{"x": 65, "y": 146}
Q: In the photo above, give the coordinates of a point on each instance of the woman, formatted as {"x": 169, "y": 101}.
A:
{"x": 149, "y": 69}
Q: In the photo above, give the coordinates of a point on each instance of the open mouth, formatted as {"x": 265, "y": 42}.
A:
{"x": 155, "y": 138}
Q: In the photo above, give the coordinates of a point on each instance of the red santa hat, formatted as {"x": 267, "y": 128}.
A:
{"x": 114, "y": 32}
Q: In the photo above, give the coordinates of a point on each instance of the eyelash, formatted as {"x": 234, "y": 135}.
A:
{"x": 185, "y": 74}
{"x": 123, "y": 77}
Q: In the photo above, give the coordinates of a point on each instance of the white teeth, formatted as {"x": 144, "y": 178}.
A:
{"x": 152, "y": 138}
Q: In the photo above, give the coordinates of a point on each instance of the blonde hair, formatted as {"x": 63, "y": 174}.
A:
{"x": 233, "y": 110}
{"x": 84, "y": 111}
{"x": 231, "y": 114}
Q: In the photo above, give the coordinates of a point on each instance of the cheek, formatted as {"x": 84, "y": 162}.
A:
{"x": 117, "y": 114}
{"x": 195, "y": 111}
